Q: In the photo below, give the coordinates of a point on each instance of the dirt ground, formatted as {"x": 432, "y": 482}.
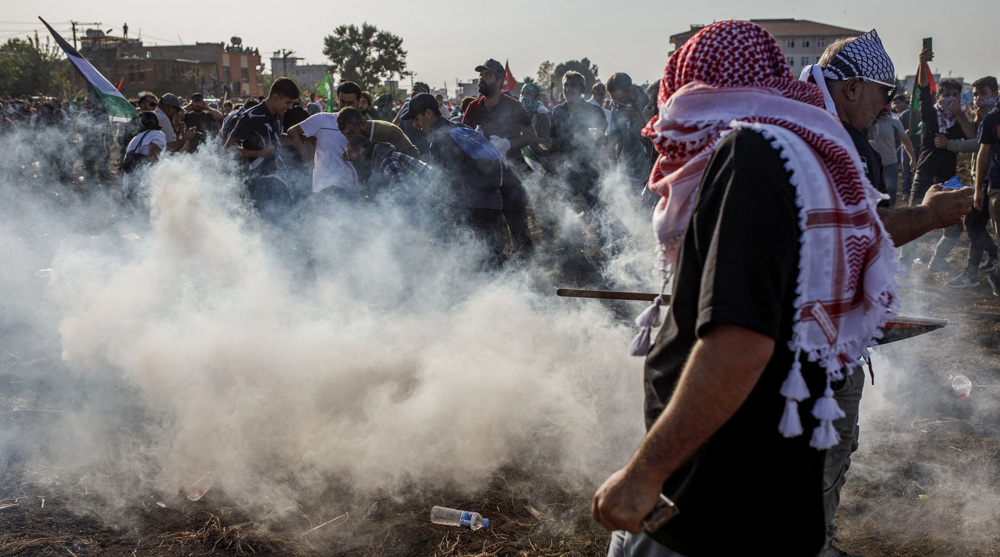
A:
{"x": 896, "y": 503}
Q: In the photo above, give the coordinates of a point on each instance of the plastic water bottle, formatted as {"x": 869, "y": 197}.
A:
{"x": 199, "y": 488}
{"x": 455, "y": 517}
{"x": 962, "y": 386}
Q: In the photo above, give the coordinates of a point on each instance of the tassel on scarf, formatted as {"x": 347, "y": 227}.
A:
{"x": 794, "y": 390}
{"x": 791, "y": 424}
{"x": 826, "y": 410}
{"x": 651, "y": 317}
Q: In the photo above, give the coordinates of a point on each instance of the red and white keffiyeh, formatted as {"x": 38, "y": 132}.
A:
{"x": 733, "y": 74}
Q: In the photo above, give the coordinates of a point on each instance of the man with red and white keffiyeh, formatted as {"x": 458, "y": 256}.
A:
{"x": 782, "y": 272}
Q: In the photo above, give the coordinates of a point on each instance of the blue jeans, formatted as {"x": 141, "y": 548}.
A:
{"x": 890, "y": 175}
{"x": 624, "y": 544}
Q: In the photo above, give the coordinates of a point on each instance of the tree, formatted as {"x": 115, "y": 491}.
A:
{"x": 583, "y": 66}
{"x": 545, "y": 75}
{"x": 29, "y": 67}
{"x": 365, "y": 56}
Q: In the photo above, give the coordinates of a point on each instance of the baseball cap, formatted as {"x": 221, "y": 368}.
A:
{"x": 494, "y": 66}
{"x": 197, "y": 97}
{"x": 170, "y": 99}
{"x": 419, "y": 104}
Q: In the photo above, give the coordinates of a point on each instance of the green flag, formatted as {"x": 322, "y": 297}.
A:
{"x": 325, "y": 89}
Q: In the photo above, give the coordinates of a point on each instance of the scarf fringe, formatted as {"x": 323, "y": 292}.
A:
{"x": 649, "y": 319}
{"x": 833, "y": 357}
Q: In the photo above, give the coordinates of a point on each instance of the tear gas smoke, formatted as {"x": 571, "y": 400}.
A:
{"x": 926, "y": 468}
{"x": 355, "y": 345}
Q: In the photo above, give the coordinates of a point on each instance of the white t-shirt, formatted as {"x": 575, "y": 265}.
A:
{"x": 329, "y": 166}
{"x": 166, "y": 126}
{"x": 141, "y": 142}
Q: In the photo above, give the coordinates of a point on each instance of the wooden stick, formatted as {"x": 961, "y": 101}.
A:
{"x": 898, "y": 327}
{"x": 609, "y": 295}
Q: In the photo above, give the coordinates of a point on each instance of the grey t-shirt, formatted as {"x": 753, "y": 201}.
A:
{"x": 883, "y": 135}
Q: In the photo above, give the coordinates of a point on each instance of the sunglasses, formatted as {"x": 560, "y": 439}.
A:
{"x": 890, "y": 90}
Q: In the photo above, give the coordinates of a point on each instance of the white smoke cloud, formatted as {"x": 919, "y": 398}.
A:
{"x": 357, "y": 346}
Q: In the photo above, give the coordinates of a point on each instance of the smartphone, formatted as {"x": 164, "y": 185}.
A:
{"x": 953, "y": 183}
{"x": 929, "y": 44}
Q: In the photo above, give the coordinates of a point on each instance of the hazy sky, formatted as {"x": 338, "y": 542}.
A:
{"x": 445, "y": 42}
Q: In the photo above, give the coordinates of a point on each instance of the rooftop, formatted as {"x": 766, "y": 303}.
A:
{"x": 781, "y": 28}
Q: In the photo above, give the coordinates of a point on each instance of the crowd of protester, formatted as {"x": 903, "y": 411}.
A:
{"x": 474, "y": 154}
{"x": 942, "y": 140}
{"x": 477, "y": 160}
{"x": 294, "y": 146}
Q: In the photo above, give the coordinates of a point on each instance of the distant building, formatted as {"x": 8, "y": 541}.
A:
{"x": 307, "y": 75}
{"x": 467, "y": 89}
{"x": 214, "y": 69}
{"x": 802, "y": 41}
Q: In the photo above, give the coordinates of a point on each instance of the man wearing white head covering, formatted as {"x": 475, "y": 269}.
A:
{"x": 858, "y": 79}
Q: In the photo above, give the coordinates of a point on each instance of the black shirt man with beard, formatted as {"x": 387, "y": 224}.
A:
{"x": 203, "y": 118}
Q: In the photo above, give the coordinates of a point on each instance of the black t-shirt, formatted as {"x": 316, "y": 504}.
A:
{"x": 575, "y": 147}
{"x": 989, "y": 134}
{"x": 204, "y": 122}
{"x": 255, "y": 129}
{"x": 747, "y": 482}
{"x": 911, "y": 123}
{"x": 871, "y": 161}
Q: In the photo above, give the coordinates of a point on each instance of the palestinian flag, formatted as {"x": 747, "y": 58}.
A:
{"x": 324, "y": 89}
{"x": 98, "y": 87}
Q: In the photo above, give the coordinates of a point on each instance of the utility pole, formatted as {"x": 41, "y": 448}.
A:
{"x": 75, "y": 23}
{"x": 284, "y": 61}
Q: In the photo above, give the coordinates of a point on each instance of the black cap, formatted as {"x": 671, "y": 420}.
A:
{"x": 494, "y": 66}
{"x": 197, "y": 97}
{"x": 419, "y": 104}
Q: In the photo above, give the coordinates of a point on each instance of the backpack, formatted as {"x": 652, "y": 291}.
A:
{"x": 483, "y": 153}
{"x": 132, "y": 160}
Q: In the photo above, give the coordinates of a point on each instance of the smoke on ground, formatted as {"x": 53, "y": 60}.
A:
{"x": 361, "y": 343}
